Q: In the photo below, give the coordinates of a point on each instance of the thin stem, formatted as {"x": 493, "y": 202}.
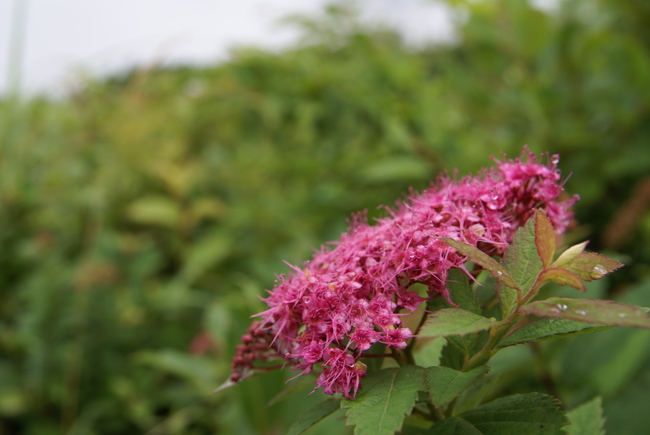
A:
{"x": 434, "y": 414}
{"x": 450, "y": 408}
{"x": 398, "y": 356}
{"x": 495, "y": 335}
{"x": 376, "y": 355}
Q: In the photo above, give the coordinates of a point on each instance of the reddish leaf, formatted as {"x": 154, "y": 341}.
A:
{"x": 562, "y": 277}
{"x": 544, "y": 238}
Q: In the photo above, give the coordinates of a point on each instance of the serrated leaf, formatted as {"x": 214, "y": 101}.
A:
{"x": 545, "y": 329}
{"x": 570, "y": 254}
{"x": 445, "y": 384}
{"x": 587, "y": 419}
{"x": 461, "y": 292}
{"x": 381, "y": 408}
{"x": 482, "y": 259}
{"x": 464, "y": 343}
{"x": 522, "y": 259}
{"x": 590, "y": 265}
{"x": 562, "y": 277}
{"x": 454, "y": 321}
{"x": 544, "y": 238}
{"x": 453, "y": 426}
{"x": 596, "y": 311}
{"x": 451, "y": 357}
{"x": 313, "y": 415}
{"x": 508, "y": 299}
{"x": 521, "y": 414}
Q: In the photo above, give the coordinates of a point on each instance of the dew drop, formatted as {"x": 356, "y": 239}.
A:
{"x": 598, "y": 271}
{"x": 562, "y": 307}
{"x": 581, "y": 312}
{"x": 499, "y": 273}
{"x": 622, "y": 315}
{"x": 554, "y": 310}
{"x": 555, "y": 159}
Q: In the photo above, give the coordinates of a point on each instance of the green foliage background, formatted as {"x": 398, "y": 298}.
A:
{"x": 142, "y": 217}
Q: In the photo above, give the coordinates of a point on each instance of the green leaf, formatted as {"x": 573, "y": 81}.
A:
{"x": 587, "y": 419}
{"x": 522, "y": 259}
{"x": 445, "y": 384}
{"x": 463, "y": 295}
{"x": 464, "y": 343}
{"x": 206, "y": 253}
{"x": 313, "y": 415}
{"x": 545, "y": 329}
{"x": 451, "y": 356}
{"x": 603, "y": 313}
{"x": 154, "y": 210}
{"x": 544, "y": 238}
{"x": 381, "y": 408}
{"x": 562, "y": 277}
{"x": 521, "y": 414}
{"x": 590, "y": 265}
{"x": 427, "y": 351}
{"x": 453, "y": 426}
{"x": 461, "y": 292}
{"x": 482, "y": 259}
{"x": 454, "y": 321}
{"x": 396, "y": 169}
{"x": 508, "y": 299}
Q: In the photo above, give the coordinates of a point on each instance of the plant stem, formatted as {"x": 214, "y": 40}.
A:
{"x": 495, "y": 335}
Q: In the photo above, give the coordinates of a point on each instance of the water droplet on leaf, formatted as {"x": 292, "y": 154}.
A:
{"x": 598, "y": 271}
{"x": 581, "y": 312}
{"x": 555, "y": 159}
{"x": 622, "y": 315}
{"x": 499, "y": 273}
{"x": 562, "y": 307}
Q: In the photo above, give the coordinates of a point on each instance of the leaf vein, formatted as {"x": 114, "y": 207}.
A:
{"x": 390, "y": 390}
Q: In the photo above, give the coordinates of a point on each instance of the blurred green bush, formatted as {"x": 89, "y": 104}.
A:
{"x": 142, "y": 217}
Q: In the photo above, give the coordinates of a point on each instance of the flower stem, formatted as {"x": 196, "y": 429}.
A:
{"x": 488, "y": 349}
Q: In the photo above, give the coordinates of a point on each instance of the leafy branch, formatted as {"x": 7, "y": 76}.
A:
{"x": 473, "y": 336}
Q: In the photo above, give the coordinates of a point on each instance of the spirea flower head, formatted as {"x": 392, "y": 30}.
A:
{"x": 353, "y": 294}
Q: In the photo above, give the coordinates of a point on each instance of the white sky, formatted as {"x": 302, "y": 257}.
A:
{"x": 64, "y": 37}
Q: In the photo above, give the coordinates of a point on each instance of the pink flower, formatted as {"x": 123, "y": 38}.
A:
{"x": 351, "y": 296}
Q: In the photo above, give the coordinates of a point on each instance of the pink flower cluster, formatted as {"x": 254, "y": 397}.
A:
{"x": 345, "y": 299}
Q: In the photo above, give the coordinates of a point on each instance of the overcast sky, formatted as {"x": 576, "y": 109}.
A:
{"x": 64, "y": 37}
